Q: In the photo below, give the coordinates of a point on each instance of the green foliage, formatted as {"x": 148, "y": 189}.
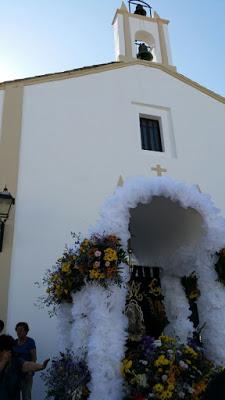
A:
{"x": 96, "y": 259}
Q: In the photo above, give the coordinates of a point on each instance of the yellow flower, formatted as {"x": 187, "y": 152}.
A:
{"x": 161, "y": 361}
{"x": 167, "y": 339}
{"x": 126, "y": 366}
{"x": 94, "y": 274}
{"x": 66, "y": 267}
{"x": 58, "y": 291}
{"x": 110, "y": 255}
{"x": 188, "y": 350}
{"x": 54, "y": 277}
{"x": 171, "y": 387}
{"x": 166, "y": 395}
{"x": 158, "y": 388}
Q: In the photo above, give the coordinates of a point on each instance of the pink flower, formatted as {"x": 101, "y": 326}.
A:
{"x": 98, "y": 253}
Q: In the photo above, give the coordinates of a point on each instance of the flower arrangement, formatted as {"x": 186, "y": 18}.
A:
{"x": 220, "y": 266}
{"x": 165, "y": 370}
{"x": 67, "y": 379}
{"x": 95, "y": 259}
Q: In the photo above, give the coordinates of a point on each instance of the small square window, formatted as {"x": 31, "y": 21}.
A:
{"x": 150, "y": 134}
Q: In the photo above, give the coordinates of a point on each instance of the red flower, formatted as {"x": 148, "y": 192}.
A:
{"x": 139, "y": 397}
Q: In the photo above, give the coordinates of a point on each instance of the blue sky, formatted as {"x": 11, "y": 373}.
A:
{"x": 44, "y": 36}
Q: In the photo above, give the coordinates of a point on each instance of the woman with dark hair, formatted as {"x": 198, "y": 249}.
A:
{"x": 11, "y": 369}
{"x": 1, "y": 325}
{"x": 26, "y": 349}
{"x": 216, "y": 388}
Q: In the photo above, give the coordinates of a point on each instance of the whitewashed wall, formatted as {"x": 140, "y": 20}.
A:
{"x": 78, "y": 136}
{"x": 119, "y": 37}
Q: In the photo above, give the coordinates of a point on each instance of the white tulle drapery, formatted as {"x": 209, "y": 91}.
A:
{"x": 99, "y": 327}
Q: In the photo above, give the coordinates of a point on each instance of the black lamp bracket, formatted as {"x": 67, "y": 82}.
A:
{"x": 2, "y": 229}
{"x": 6, "y": 199}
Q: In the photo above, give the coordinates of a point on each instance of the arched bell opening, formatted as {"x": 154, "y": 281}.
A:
{"x": 145, "y": 46}
{"x": 158, "y": 230}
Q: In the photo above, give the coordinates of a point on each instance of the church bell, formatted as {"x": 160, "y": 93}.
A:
{"x": 140, "y": 10}
{"x": 144, "y": 53}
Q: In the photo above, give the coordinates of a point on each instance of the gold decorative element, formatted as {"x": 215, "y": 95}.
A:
{"x": 159, "y": 170}
{"x": 134, "y": 291}
{"x": 159, "y": 308}
{"x": 154, "y": 288}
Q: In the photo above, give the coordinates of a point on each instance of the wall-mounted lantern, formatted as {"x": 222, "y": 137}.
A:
{"x": 6, "y": 202}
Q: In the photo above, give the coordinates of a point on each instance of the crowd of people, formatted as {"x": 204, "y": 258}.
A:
{"x": 18, "y": 363}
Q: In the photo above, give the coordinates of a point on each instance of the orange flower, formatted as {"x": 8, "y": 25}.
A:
{"x": 111, "y": 271}
{"x": 199, "y": 388}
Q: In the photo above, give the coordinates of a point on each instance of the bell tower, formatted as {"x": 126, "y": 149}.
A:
{"x": 140, "y": 33}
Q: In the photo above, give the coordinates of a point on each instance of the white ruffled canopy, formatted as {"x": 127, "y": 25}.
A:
{"x": 174, "y": 226}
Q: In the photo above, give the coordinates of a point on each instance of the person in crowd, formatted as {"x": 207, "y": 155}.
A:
{"x": 216, "y": 388}
{"x": 2, "y": 325}
{"x": 25, "y": 348}
{"x": 12, "y": 367}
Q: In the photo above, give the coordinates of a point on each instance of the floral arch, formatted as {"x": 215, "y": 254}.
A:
{"x": 203, "y": 235}
{"x": 168, "y": 224}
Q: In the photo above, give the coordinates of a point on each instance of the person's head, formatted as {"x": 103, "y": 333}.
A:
{"x": 22, "y": 329}
{"x": 1, "y": 325}
{"x": 6, "y": 343}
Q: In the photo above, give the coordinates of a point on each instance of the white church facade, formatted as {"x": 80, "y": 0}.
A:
{"x": 67, "y": 140}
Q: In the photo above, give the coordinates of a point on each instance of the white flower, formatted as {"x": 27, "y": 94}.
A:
{"x": 157, "y": 343}
{"x": 181, "y": 395}
{"x": 164, "y": 378}
{"x": 183, "y": 365}
{"x": 98, "y": 253}
{"x": 144, "y": 362}
{"x": 141, "y": 379}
